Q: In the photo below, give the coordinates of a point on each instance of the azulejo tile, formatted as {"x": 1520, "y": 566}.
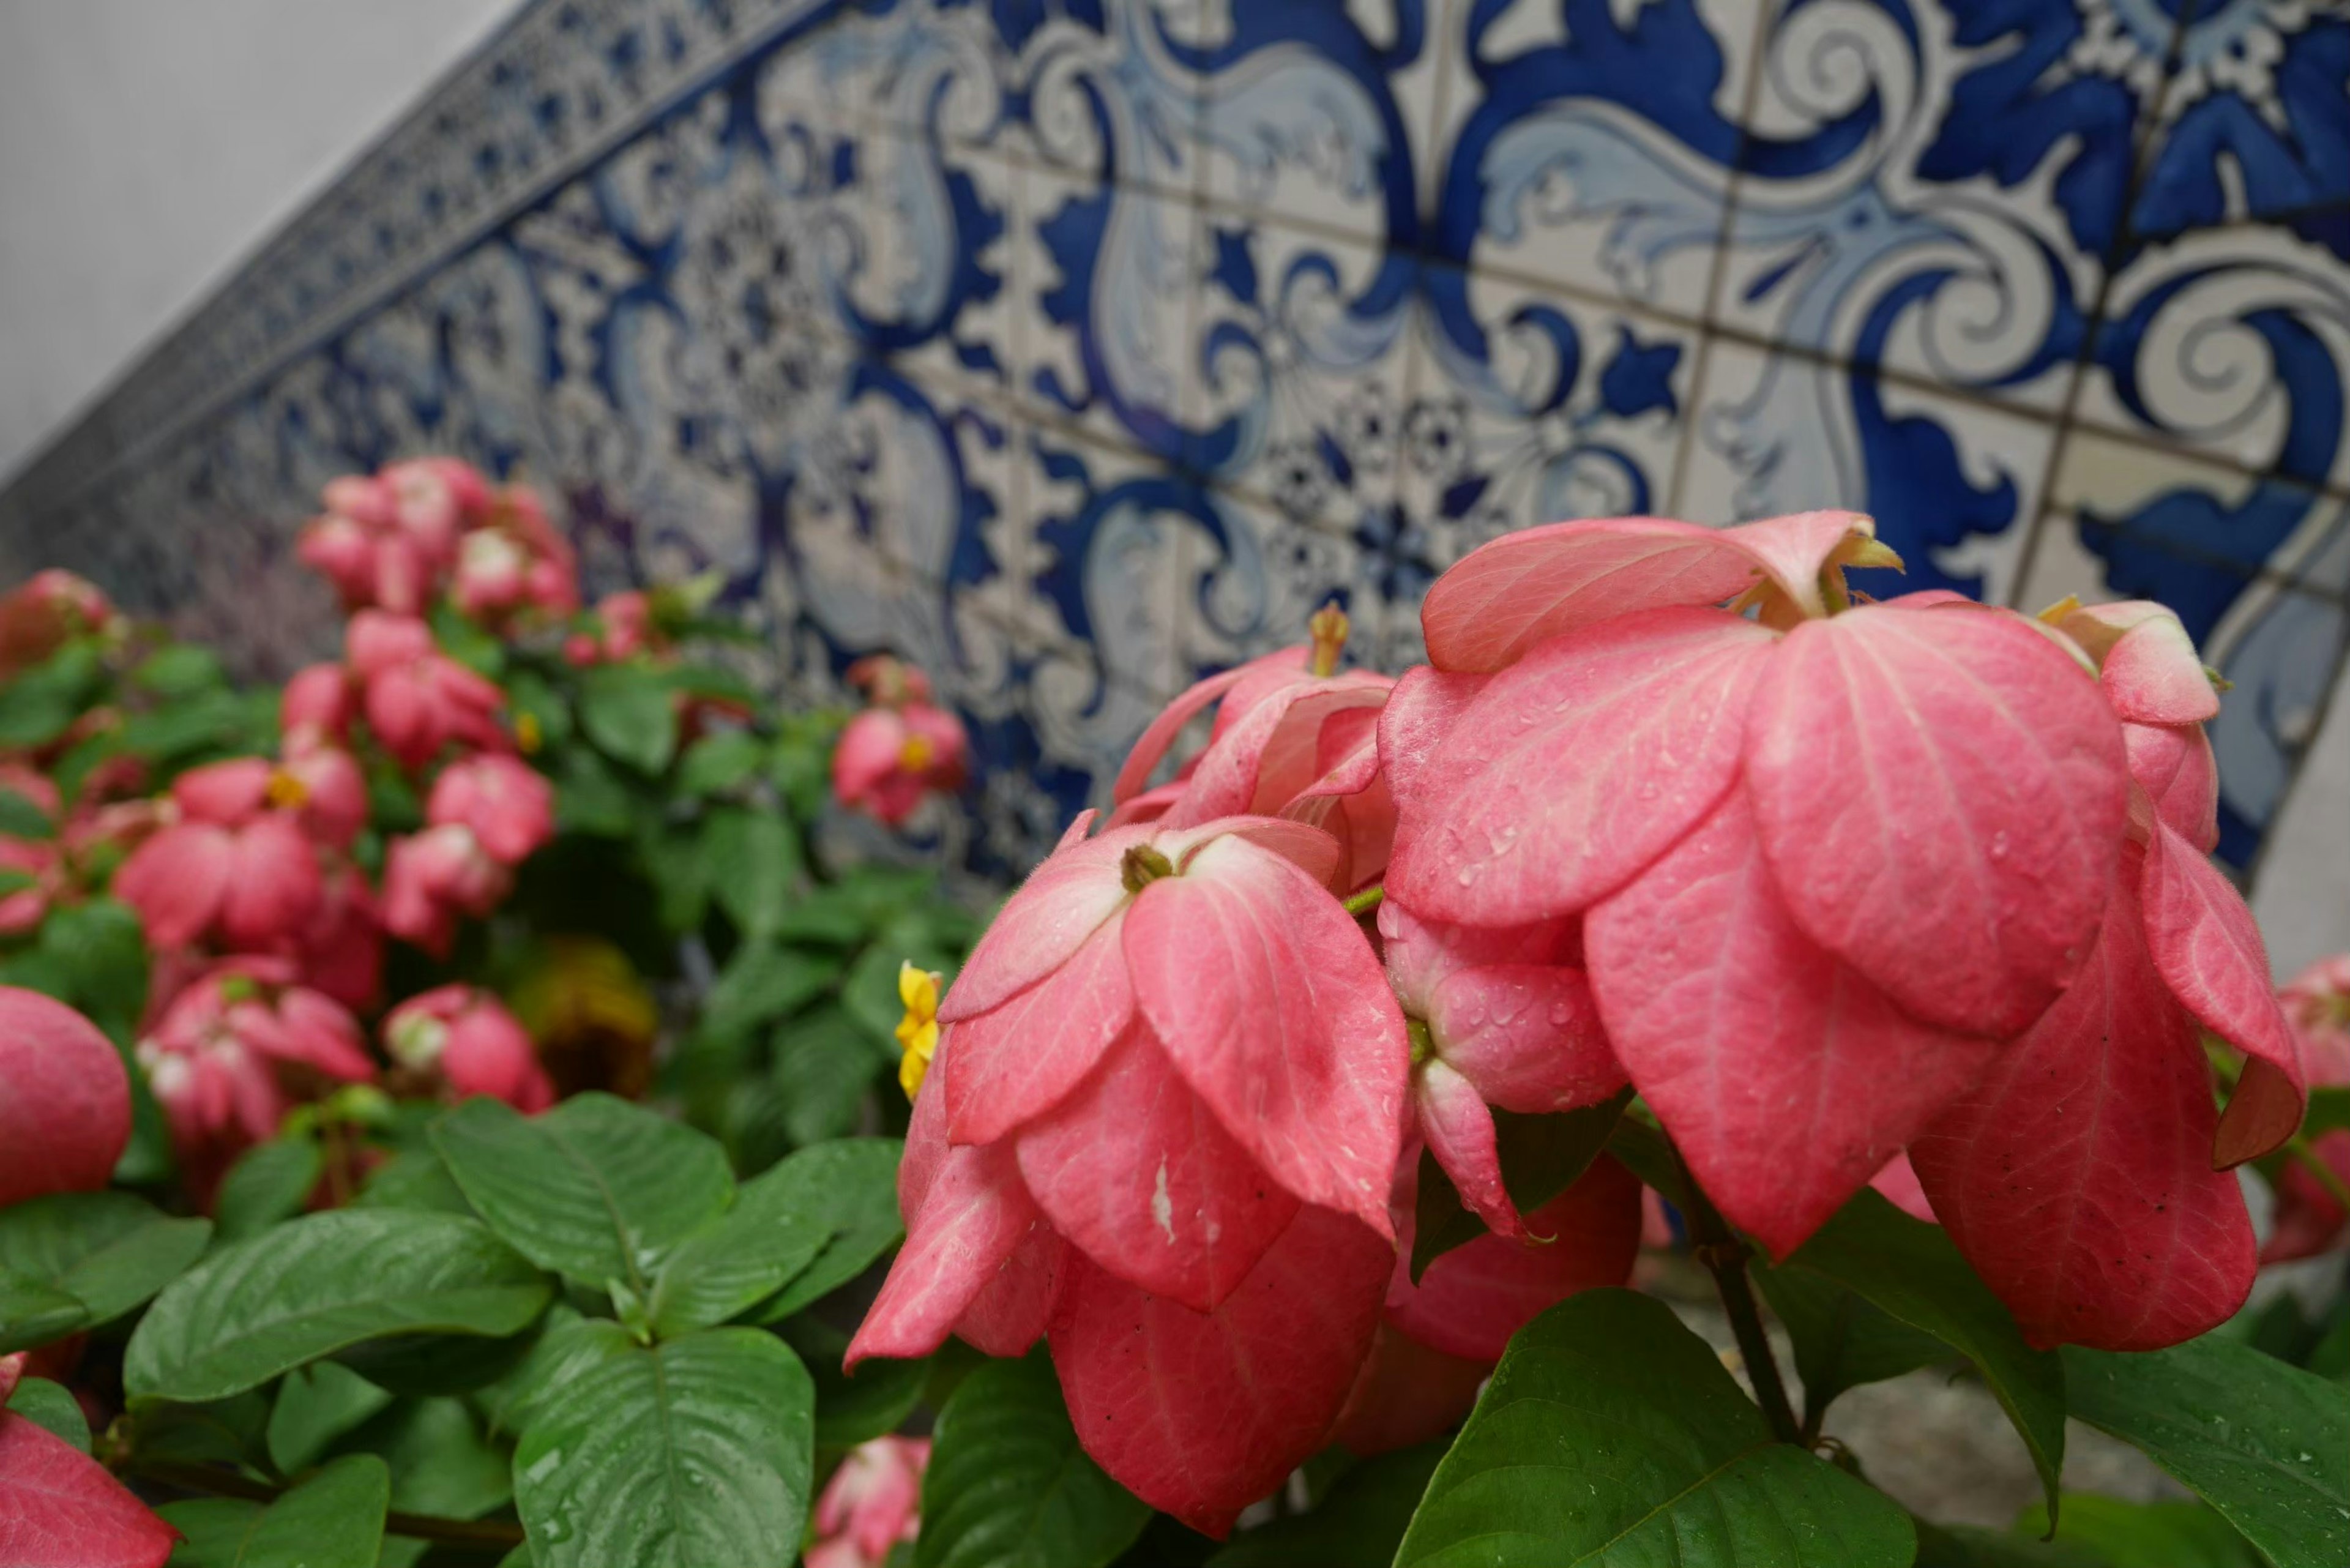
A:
{"x": 1953, "y": 483}
{"x": 933, "y": 284}
{"x": 2233, "y": 344}
{"x": 1109, "y": 90}
{"x": 1250, "y": 576}
{"x": 1591, "y": 145}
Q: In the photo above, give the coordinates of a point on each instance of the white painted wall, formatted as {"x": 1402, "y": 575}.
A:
{"x": 147, "y": 146}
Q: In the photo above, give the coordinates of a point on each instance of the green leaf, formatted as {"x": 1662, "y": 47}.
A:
{"x": 467, "y": 643}
{"x": 269, "y": 1183}
{"x": 334, "y": 1520}
{"x": 762, "y": 981}
{"x": 2260, "y": 1441}
{"x": 834, "y": 916}
{"x": 223, "y": 1431}
{"x": 1612, "y": 1434}
{"x": 441, "y": 1463}
{"x": 315, "y": 1406}
{"x": 20, "y": 819}
{"x": 51, "y": 1408}
{"x": 176, "y": 732}
{"x": 312, "y": 1286}
{"x": 596, "y": 1189}
{"x": 589, "y": 798}
{"x": 418, "y": 1179}
{"x": 2329, "y": 1109}
{"x": 1358, "y": 1525}
{"x": 1912, "y": 1271}
{"x": 426, "y": 1364}
{"x": 752, "y": 860}
{"x": 2120, "y": 1535}
{"x": 40, "y": 702}
{"x": 181, "y": 670}
{"x": 720, "y": 761}
{"x": 1007, "y": 1485}
{"x": 103, "y": 952}
{"x": 34, "y": 1312}
{"x": 1841, "y": 1340}
{"x": 628, "y": 711}
{"x": 853, "y": 1185}
{"x": 852, "y": 1408}
{"x": 699, "y": 1451}
{"x": 775, "y": 1230}
{"x": 1541, "y": 1157}
{"x": 1971, "y": 1546}
{"x": 822, "y": 1065}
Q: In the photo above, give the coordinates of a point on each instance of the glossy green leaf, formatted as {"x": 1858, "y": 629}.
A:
{"x": 626, "y": 710}
{"x": 1612, "y": 1434}
{"x": 231, "y": 1431}
{"x": 596, "y": 1189}
{"x": 100, "y": 951}
{"x": 312, "y": 1286}
{"x": 692, "y": 1453}
{"x": 1541, "y": 1155}
{"x": 333, "y": 1520}
{"x": 720, "y": 761}
{"x": 2119, "y": 1534}
{"x": 761, "y": 982}
{"x": 1841, "y": 1340}
{"x": 441, "y": 1462}
{"x": 1007, "y": 1485}
{"x": 315, "y": 1406}
{"x": 851, "y": 1409}
{"x": 775, "y": 1230}
{"x": 269, "y": 1183}
{"x": 32, "y": 1312}
{"x": 1358, "y": 1525}
{"x": 752, "y": 861}
{"x": 424, "y": 1365}
{"x": 20, "y": 819}
{"x": 1912, "y": 1271}
{"x": 180, "y": 669}
{"x": 415, "y": 1178}
{"x": 53, "y": 1408}
{"x": 853, "y": 1185}
{"x": 824, "y": 1066}
{"x": 1972, "y": 1546}
{"x": 2260, "y": 1441}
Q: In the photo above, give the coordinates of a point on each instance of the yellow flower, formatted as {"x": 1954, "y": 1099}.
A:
{"x": 917, "y": 1032}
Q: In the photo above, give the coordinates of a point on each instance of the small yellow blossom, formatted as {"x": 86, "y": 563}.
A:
{"x": 917, "y": 1032}
{"x": 527, "y": 734}
{"x": 286, "y": 791}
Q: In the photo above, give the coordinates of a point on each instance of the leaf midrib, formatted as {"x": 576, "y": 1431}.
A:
{"x": 1599, "y": 1551}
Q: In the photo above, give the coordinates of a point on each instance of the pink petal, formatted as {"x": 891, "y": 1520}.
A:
{"x": 1422, "y": 954}
{"x": 1786, "y": 1079}
{"x": 1577, "y": 766}
{"x": 1011, "y": 1311}
{"x": 1304, "y": 845}
{"x": 866, "y": 753}
{"x": 1473, "y": 1298}
{"x": 61, "y": 1509}
{"x": 1261, "y": 763}
{"x": 1137, "y": 1173}
{"x": 324, "y": 1035}
{"x": 2076, "y": 1176}
{"x": 1064, "y": 901}
{"x": 973, "y": 1218}
{"x": 64, "y": 1100}
{"x": 175, "y": 880}
{"x": 1014, "y": 1063}
{"x": 1528, "y": 1036}
{"x": 1898, "y": 1183}
{"x": 2210, "y": 953}
{"x": 273, "y": 885}
{"x": 1406, "y": 1395}
{"x": 1155, "y": 739}
{"x": 1458, "y": 1127}
{"x": 226, "y": 793}
{"x": 2309, "y": 1218}
{"x": 1943, "y": 794}
{"x": 2146, "y": 662}
{"x": 2178, "y": 780}
{"x": 1419, "y": 716}
{"x": 1271, "y": 1005}
{"x": 1201, "y": 1414}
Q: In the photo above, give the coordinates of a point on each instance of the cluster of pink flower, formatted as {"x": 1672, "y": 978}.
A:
{"x": 901, "y": 748}
{"x": 269, "y": 935}
{"x": 872, "y": 1502}
{"x": 1823, "y": 879}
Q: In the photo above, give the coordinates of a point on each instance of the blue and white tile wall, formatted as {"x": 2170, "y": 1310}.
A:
{"x": 1074, "y": 348}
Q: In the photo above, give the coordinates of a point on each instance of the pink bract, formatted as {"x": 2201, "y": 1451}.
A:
{"x": 466, "y": 1039}
{"x": 872, "y": 1502}
{"x": 61, "y": 1509}
{"x": 65, "y": 1099}
{"x": 509, "y": 805}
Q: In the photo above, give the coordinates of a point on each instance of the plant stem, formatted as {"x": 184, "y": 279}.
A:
{"x": 1716, "y": 1246}
{"x": 489, "y": 1534}
{"x": 1368, "y": 899}
{"x": 2319, "y": 1171}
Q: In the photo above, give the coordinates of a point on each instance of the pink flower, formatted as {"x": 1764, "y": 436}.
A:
{"x": 236, "y": 1051}
{"x": 50, "y": 609}
{"x": 509, "y": 805}
{"x": 465, "y": 1037}
{"x": 2317, "y": 1006}
{"x": 340, "y": 951}
{"x": 2310, "y": 1218}
{"x": 1471, "y": 1300}
{"x": 64, "y": 1100}
{"x": 624, "y": 628}
{"x": 888, "y": 760}
{"x": 324, "y": 789}
{"x": 515, "y": 558}
{"x": 232, "y": 867}
{"x": 872, "y": 1502}
{"x": 417, "y": 700}
{"x": 26, "y": 908}
{"x": 430, "y": 878}
{"x": 1161, "y": 1127}
{"x": 316, "y": 708}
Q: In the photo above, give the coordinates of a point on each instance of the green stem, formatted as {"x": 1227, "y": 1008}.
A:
{"x": 1364, "y": 902}
{"x": 488, "y": 1534}
{"x": 1716, "y": 1246}
{"x": 2298, "y": 1148}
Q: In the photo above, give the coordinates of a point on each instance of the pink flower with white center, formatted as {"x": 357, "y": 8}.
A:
{"x": 1161, "y": 1127}
{"x": 64, "y": 1100}
{"x": 432, "y": 879}
{"x": 416, "y": 699}
{"x": 234, "y": 867}
{"x": 1499, "y": 1016}
{"x": 316, "y": 708}
{"x": 872, "y": 1502}
{"x": 464, "y": 1038}
{"x": 1292, "y": 737}
{"x": 236, "y": 1051}
{"x": 509, "y": 805}
{"x": 889, "y": 759}
{"x": 512, "y": 560}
